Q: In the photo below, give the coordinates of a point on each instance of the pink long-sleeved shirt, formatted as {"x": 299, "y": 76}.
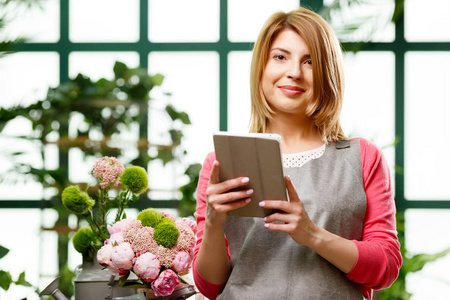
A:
{"x": 379, "y": 257}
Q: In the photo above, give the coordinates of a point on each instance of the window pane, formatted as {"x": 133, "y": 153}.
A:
{"x": 104, "y": 20}
{"x": 245, "y": 18}
{"x": 19, "y": 231}
{"x": 24, "y": 79}
{"x": 98, "y": 65}
{"x": 427, "y": 125}
{"x": 38, "y": 24}
{"x": 192, "y": 78}
{"x": 183, "y": 21}
{"x": 372, "y": 20}
{"x": 368, "y": 109}
{"x": 424, "y": 232}
{"x": 427, "y": 21}
{"x": 239, "y": 91}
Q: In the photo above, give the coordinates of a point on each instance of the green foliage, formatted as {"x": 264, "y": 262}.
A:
{"x": 134, "y": 179}
{"x": 188, "y": 202}
{"x": 150, "y": 217}
{"x": 76, "y": 200}
{"x": 166, "y": 233}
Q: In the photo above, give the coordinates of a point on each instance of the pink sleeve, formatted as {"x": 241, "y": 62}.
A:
{"x": 379, "y": 257}
{"x": 205, "y": 287}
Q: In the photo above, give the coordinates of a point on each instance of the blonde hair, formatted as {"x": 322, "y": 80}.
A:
{"x": 328, "y": 74}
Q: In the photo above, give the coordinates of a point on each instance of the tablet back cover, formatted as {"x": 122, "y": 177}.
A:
{"x": 257, "y": 156}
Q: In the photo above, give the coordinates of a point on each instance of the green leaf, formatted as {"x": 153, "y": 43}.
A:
{"x": 133, "y": 284}
{"x": 3, "y": 251}
{"x": 157, "y": 79}
{"x": 120, "y": 69}
{"x": 5, "y": 280}
{"x": 22, "y": 281}
{"x": 417, "y": 262}
{"x": 123, "y": 279}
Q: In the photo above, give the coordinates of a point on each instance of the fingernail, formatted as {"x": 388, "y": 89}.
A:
{"x": 266, "y": 225}
{"x": 288, "y": 178}
{"x": 262, "y": 204}
{"x": 249, "y": 192}
{"x": 245, "y": 180}
{"x": 265, "y": 219}
{"x": 248, "y": 200}
{"x": 215, "y": 163}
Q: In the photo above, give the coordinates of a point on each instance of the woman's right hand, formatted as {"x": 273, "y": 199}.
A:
{"x": 220, "y": 199}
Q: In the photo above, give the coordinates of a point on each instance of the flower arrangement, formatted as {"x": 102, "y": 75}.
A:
{"x": 109, "y": 172}
{"x": 156, "y": 247}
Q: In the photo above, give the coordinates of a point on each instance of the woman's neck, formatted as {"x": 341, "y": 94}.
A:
{"x": 297, "y": 135}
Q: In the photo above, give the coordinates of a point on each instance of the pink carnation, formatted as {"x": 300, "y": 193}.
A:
{"x": 117, "y": 227}
{"x": 104, "y": 255}
{"x": 181, "y": 261}
{"x": 107, "y": 170}
{"x": 191, "y": 223}
{"x": 115, "y": 238}
{"x": 147, "y": 267}
{"x": 123, "y": 258}
{"x": 166, "y": 283}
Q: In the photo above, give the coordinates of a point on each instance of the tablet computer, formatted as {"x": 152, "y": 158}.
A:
{"x": 258, "y": 157}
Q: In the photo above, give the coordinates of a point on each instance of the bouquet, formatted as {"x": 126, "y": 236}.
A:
{"x": 109, "y": 173}
{"x": 156, "y": 247}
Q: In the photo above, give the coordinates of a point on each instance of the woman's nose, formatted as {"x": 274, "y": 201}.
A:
{"x": 294, "y": 72}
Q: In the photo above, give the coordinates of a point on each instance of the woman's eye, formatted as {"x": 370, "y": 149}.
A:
{"x": 308, "y": 62}
{"x": 279, "y": 57}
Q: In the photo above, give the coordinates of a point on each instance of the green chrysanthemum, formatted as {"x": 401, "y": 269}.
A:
{"x": 83, "y": 239}
{"x": 166, "y": 233}
{"x": 134, "y": 179}
{"x": 76, "y": 200}
{"x": 150, "y": 217}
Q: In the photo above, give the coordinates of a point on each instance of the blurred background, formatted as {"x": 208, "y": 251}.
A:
{"x": 64, "y": 101}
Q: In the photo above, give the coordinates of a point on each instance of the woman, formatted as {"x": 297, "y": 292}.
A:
{"x": 336, "y": 238}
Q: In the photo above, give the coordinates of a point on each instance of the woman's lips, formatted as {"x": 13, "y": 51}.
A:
{"x": 291, "y": 90}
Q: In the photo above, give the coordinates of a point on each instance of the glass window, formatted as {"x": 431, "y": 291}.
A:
{"x": 22, "y": 238}
{"x": 193, "y": 80}
{"x": 184, "y": 21}
{"x": 426, "y": 232}
{"x": 371, "y": 19}
{"x": 98, "y": 65}
{"x": 246, "y": 18}
{"x": 368, "y": 109}
{"x": 239, "y": 104}
{"x": 24, "y": 79}
{"x": 427, "y": 21}
{"x": 103, "y": 21}
{"x": 38, "y": 24}
{"x": 427, "y": 125}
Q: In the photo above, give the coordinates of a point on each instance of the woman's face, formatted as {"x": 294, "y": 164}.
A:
{"x": 287, "y": 81}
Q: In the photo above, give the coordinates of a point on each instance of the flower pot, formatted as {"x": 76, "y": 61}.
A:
{"x": 94, "y": 282}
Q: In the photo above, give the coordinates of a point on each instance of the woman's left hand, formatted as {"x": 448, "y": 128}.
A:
{"x": 296, "y": 220}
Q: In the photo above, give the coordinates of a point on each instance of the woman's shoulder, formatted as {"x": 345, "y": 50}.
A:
{"x": 368, "y": 148}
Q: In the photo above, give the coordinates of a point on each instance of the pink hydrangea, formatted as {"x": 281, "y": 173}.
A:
{"x": 166, "y": 283}
{"x": 186, "y": 237}
{"x": 117, "y": 227}
{"x": 147, "y": 267}
{"x": 123, "y": 258}
{"x": 107, "y": 170}
{"x": 181, "y": 261}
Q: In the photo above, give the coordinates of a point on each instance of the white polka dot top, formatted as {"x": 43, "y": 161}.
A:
{"x": 296, "y": 160}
